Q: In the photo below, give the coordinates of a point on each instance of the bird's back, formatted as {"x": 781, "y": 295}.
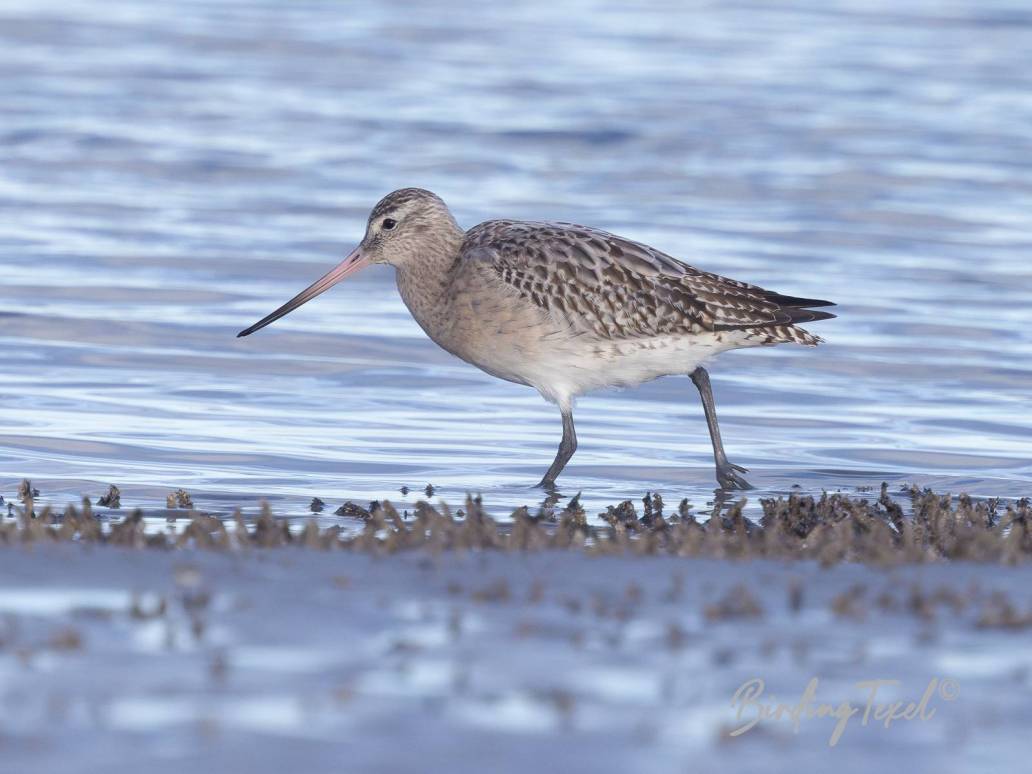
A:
{"x": 611, "y": 288}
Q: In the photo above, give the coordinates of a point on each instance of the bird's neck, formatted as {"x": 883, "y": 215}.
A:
{"x": 424, "y": 281}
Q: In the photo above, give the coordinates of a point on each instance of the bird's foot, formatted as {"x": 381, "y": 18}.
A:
{"x": 728, "y": 478}
{"x": 548, "y": 484}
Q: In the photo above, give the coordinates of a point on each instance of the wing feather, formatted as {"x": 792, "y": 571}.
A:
{"x": 616, "y": 288}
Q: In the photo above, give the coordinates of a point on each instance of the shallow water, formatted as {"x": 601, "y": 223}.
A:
{"x": 170, "y": 173}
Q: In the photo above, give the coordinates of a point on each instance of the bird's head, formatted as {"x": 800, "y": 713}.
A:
{"x": 403, "y": 227}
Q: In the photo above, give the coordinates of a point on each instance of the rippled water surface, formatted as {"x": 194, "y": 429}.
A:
{"x": 171, "y": 172}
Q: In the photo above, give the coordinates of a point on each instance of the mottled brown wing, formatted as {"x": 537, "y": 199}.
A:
{"x": 619, "y": 289}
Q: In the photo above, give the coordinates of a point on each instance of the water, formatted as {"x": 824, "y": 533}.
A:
{"x": 169, "y": 173}
{"x": 328, "y": 661}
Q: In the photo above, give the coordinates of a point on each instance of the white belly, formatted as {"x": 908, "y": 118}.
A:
{"x": 572, "y": 368}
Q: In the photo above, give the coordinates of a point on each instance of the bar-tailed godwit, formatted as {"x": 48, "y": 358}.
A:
{"x": 565, "y": 309}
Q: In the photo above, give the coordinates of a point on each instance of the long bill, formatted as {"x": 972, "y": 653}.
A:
{"x": 348, "y": 266}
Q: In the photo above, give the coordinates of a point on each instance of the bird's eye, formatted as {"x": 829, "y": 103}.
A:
{"x": 389, "y": 223}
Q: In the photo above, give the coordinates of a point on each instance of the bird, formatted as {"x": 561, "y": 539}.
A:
{"x": 565, "y": 309}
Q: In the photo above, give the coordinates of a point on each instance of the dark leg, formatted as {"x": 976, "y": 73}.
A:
{"x": 727, "y": 474}
{"x": 566, "y": 449}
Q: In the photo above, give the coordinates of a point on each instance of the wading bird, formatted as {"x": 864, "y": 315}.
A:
{"x": 565, "y": 309}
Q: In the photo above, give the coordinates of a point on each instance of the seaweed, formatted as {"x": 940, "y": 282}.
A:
{"x": 829, "y": 529}
{"x": 113, "y": 498}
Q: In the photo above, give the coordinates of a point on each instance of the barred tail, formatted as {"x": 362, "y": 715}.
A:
{"x": 783, "y": 334}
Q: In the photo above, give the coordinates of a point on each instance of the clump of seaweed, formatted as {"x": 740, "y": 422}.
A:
{"x": 351, "y": 510}
{"x": 999, "y": 612}
{"x": 178, "y": 499}
{"x": 739, "y": 602}
{"x": 26, "y": 491}
{"x": 113, "y": 498}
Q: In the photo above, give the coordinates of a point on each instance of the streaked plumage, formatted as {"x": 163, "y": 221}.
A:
{"x": 566, "y": 309}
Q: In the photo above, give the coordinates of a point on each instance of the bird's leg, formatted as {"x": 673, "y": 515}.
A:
{"x": 567, "y": 447}
{"x": 727, "y": 474}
